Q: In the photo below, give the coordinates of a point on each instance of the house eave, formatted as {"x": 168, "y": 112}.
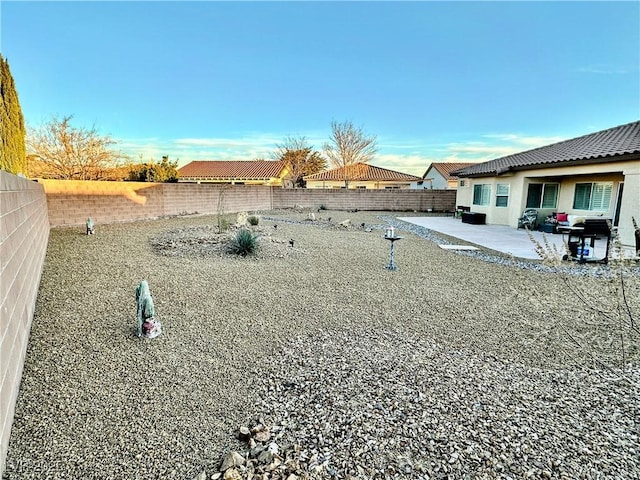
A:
{"x": 556, "y": 164}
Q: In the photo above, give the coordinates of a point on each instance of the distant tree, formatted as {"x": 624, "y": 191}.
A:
{"x": 165, "y": 171}
{"x": 59, "y": 150}
{"x": 299, "y": 159}
{"x": 13, "y": 157}
{"x": 349, "y": 145}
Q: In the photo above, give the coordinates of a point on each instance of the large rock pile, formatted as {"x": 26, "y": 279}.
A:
{"x": 266, "y": 459}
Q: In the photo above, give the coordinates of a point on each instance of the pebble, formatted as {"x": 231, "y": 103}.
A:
{"x": 446, "y": 368}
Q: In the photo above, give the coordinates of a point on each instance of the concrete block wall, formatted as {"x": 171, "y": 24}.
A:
{"x": 210, "y": 198}
{"x": 390, "y": 200}
{"x": 70, "y": 202}
{"x": 24, "y": 233}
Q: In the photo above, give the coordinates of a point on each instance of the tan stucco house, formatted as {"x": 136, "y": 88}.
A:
{"x": 362, "y": 176}
{"x": 596, "y": 175}
{"x": 439, "y": 176}
{"x": 234, "y": 172}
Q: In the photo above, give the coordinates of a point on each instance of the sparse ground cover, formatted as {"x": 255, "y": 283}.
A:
{"x": 450, "y": 367}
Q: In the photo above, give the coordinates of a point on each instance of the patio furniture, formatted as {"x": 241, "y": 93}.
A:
{"x": 529, "y": 219}
{"x": 460, "y": 209}
{"x": 474, "y": 218}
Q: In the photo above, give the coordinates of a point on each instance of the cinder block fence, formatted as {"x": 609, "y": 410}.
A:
{"x": 29, "y": 208}
{"x": 71, "y": 202}
{"x": 24, "y": 232}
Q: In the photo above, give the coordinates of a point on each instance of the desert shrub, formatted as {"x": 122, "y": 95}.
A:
{"x": 322, "y": 207}
{"x": 223, "y": 224}
{"x": 253, "y": 220}
{"x": 244, "y": 243}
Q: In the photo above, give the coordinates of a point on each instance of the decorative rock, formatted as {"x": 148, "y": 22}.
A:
{"x": 262, "y": 435}
{"x": 232, "y": 474}
{"x": 231, "y": 459}
{"x": 265, "y": 456}
{"x": 244, "y": 433}
{"x": 241, "y": 220}
{"x": 201, "y": 476}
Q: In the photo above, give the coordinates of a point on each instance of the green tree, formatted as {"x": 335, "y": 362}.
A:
{"x": 349, "y": 145}
{"x": 300, "y": 159}
{"x": 59, "y": 150}
{"x": 13, "y": 156}
{"x": 166, "y": 171}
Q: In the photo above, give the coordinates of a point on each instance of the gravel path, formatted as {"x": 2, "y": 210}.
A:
{"x": 453, "y": 366}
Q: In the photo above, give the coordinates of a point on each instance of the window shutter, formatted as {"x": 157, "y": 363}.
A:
{"x": 601, "y": 196}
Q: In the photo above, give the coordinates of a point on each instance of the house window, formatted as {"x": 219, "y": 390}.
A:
{"x": 481, "y": 194}
{"x": 502, "y": 195}
{"x": 542, "y": 195}
{"x": 361, "y": 187}
{"x": 462, "y": 183}
{"x": 593, "y": 196}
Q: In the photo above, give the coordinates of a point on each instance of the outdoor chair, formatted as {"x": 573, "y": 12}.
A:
{"x": 528, "y": 219}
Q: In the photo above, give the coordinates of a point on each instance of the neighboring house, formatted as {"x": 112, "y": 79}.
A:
{"x": 439, "y": 176}
{"x": 251, "y": 172}
{"x": 593, "y": 175}
{"x": 360, "y": 175}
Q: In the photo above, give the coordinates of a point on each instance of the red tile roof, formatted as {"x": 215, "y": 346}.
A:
{"x": 445, "y": 168}
{"x": 606, "y": 145}
{"x": 250, "y": 169}
{"x": 362, "y": 172}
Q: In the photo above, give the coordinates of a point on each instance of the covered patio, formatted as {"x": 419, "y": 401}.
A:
{"x": 501, "y": 238}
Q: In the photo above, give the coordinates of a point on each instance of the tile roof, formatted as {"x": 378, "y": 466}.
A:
{"x": 445, "y": 168}
{"x": 605, "y": 145}
{"x": 250, "y": 169}
{"x": 362, "y": 172}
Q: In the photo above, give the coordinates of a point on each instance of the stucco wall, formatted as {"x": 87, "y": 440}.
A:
{"x": 567, "y": 177}
{"x": 24, "y": 232}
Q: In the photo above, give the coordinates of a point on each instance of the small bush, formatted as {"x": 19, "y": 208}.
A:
{"x": 223, "y": 224}
{"x": 253, "y": 220}
{"x": 243, "y": 243}
{"x": 322, "y": 207}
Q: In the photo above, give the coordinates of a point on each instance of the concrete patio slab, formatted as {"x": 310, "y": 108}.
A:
{"x": 508, "y": 240}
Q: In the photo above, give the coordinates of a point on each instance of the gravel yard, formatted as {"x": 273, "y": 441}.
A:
{"x": 454, "y": 366}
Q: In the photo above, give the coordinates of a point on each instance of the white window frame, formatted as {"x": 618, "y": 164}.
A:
{"x": 502, "y": 191}
{"x": 600, "y": 192}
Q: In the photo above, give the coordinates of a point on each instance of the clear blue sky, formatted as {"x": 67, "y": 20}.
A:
{"x": 435, "y": 81}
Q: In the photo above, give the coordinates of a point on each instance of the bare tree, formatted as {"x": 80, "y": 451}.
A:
{"x": 349, "y": 145}
{"x": 58, "y": 150}
{"x": 300, "y": 159}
